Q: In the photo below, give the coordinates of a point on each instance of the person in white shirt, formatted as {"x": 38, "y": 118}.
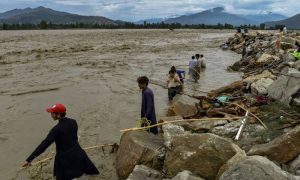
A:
{"x": 203, "y": 61}
{"x": 173, "y": 84}
{"x": 192, "y": 71}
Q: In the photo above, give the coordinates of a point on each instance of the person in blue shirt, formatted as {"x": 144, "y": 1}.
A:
{"x": 180, "y": 73}
{"x": 148, "y": 108}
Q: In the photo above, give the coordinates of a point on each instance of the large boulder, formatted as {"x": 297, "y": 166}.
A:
{"x": 282, "y": 149}
{"x": 202, "y": 154}
{"x": 294, "y": 166}
{"x": 182, "y": 109}
{"x": 296, "y": 65}
{"x": 174, "y": 118}
{"x": 170, "y": 131}
{"x": 229, "y": 130}
{"x": 260, "y": 87}
{"x": 253, "y": 78}
{"x": 137, "y": 147}
{"x": 286, "y": 46}
{"x": 256, "y": 167}
{"x": 205, "y": 125}
{"x": 236, "y": 158}
{"x": 185, "y": 175}
{"x": 289, "y": 40}
{"x": 265, "y": 58}
{"x": 194, "y": 126}
{"x": 285, "y": 86}
{"x": 145, "y": 173}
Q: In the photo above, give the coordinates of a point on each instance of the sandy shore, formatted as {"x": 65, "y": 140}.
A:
{"x": 94, "y": 73}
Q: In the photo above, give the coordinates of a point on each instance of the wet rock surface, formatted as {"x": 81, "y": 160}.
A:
{"x": 142, "y": 172}
{"x": 256, "y": 167}
{"x": 269, "y": 92}
{"x": 202, "y": 154}
{"x": 282, "y": 149}
{"x": 137, "y": 147}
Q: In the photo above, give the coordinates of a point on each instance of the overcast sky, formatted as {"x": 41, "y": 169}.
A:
{"x": 133, "y": 10}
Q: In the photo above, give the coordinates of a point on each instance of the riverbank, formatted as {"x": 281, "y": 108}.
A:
{"x": 93, "y": 72}
{"x": 246, "y": 130}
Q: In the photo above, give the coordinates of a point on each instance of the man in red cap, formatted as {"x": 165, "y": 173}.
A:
{"x": 70, "y": 161}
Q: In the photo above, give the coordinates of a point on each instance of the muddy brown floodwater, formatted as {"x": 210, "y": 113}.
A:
{"x": 93, "y": 72}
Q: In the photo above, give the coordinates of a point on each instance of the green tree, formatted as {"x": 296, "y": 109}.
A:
{"x": 43, "y": 25}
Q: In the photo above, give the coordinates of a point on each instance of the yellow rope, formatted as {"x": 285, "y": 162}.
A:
{"x": 51, "y": 157}
{"x": 176, "y": 121}
{"x": 144, "y": 122}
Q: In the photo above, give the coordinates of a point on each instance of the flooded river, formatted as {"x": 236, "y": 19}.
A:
{"x": 92, "y": 72}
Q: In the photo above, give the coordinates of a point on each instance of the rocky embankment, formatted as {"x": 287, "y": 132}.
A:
{"x": 246, "y": 130}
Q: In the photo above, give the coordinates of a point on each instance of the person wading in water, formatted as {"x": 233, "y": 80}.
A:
{"x": 70, "y": 161}
{"x": 148, "y": 108}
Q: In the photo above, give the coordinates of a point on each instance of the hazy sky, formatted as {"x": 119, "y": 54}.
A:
{"x": 132, "y": 10}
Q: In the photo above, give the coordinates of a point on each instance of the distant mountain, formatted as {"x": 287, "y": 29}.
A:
{"x": 218, "y": 15}
{"x": 210, "y": 17}
{"x": 14, "y": 12}
{"x": 263, "y": 17}
{"x": 290, "y": 23}
{"x": 38, "y": 14}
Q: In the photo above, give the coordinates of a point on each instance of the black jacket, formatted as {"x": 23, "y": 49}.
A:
{"x": 70, "y": 161}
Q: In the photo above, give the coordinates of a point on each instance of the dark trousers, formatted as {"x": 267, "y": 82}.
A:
{"x": 172, "y": 91}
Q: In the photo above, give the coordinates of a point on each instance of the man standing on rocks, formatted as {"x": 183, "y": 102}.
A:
{"x": 70, "y": 161}
{"x": 278, "y": 40}
{"x": 148, "y": 108}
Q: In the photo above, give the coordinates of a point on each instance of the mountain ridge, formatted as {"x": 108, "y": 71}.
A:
{"x": 36, "y": 15}
{"x": 291, "y": 22}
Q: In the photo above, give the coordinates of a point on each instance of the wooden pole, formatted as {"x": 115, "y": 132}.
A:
{"x": 263, "y": 124}
{"x": 175, "y": 121}
{"x": 51, "y": 157}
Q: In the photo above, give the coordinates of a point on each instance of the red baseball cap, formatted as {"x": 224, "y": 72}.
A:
{"x": 57, "y": 108}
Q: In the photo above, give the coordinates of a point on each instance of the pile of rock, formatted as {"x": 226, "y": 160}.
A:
{"x": 267, "y": 70}
{"x": 205, "y": 156}
{"x": 198, "y": 148}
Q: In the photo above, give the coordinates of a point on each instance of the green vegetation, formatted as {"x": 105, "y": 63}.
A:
{"x": 121, "y": 25}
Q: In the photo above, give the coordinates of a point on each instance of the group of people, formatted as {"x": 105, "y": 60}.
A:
{"x": 71, "y": 161}
{"x": 176, "y": 77}
{"x": 196, "y": 64}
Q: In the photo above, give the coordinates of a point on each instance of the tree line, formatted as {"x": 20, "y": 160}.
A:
{"x": 122, "y": 25}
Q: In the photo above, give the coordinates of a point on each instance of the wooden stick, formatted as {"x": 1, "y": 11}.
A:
{"x": 51, "y": 157}
{"x": 98, "y": 146}
{"x": 163, "y": 86}
{"x": 175, "y": 121}
{"x": 263, "y": 124}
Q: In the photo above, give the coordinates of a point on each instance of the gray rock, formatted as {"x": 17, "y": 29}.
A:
{"x": 260, "y": 87}
{"x": 185, "y": 175}
{"x": 294, "y": 166}
{"x": 281, "y": 149}
{"x": 285, "y": 86}
{"x": 206, "y": 125}
{"x": 297, "y": 65}
{"x": 229, "y": 130}
{"x": 137, "y": 147}
{"x": 296, "y": 102}
{"x": 201, "y": 154}
{"x": 171, "y": 130}
{"x": 265, "y": 58}
{"x": 289, "y": 40}
{"x": 286, "y": 46}
{"x": 141, "y": 172}
{"x": 256, "y": 167}
{"x": 183, "y": 109}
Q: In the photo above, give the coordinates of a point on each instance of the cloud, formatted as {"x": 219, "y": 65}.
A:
{"x": 132, "y": 10}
